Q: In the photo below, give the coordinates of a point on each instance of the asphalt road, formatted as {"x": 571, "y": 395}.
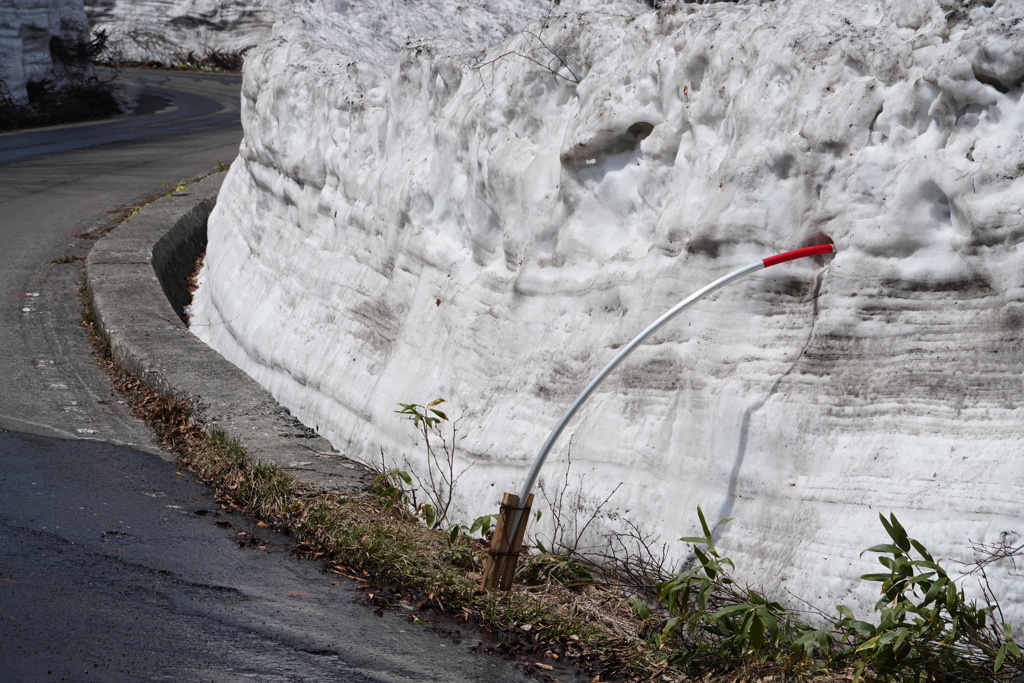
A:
{"x": 114, "y": 565}
{"x": 49, "y": 202}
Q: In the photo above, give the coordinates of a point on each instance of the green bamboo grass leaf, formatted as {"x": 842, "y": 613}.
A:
{"x": 921, "y": 550}
{"x": 1000, "y": 656}
{"x": 429, "y": 514}
{"x": 884, "y": 548}
{"x": 640, "y": 609}
{"x": 706, "y": 563}
{"x": 703, "y": 523}
{"x": 731, "y": 609}
{"x": 845, "y": 611}
{"x": 694, "y": 539}
{"x": 899, "y": 534}
{"x": 755, "y": 631}
{"x": 933, "y": 593}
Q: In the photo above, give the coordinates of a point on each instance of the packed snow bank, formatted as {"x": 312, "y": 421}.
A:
{"x": 491, "y": 228}
{"x": 27, "y": 29}
{"x": 169, "y": 31}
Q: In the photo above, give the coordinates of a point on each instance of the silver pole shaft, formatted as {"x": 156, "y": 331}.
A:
{"x": 531, "y": 478}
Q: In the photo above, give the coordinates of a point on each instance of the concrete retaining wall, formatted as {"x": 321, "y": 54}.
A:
{"x": 135, "y": 278}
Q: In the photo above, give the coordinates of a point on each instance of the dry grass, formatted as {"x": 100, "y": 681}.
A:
{"x": 67, "y": 258}
{"x": 192, "y": 281}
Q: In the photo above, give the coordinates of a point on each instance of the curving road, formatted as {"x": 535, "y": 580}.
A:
{"x": 114, "y": 565}
{"x": 57, "y": 187}
{"x": 167, "y": 102}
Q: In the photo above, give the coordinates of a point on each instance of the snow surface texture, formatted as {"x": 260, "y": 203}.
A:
{"x": 26, "y": 28}
{"x": 489, "y": 230}
{"x": 167, "y": 31}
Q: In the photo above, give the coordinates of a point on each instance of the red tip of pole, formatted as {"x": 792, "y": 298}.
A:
{"x": 798, "y": 253}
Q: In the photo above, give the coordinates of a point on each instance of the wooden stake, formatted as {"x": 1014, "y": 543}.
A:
{"x": 506, "y": 543}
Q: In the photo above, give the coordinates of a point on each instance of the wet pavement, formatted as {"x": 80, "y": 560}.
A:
{"x": 116, "y": 566}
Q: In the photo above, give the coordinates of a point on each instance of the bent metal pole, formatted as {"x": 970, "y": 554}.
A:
{"x": 531, "y": 478}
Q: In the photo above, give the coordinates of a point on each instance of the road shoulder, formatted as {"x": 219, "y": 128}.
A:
{"x": 132, "y": 275}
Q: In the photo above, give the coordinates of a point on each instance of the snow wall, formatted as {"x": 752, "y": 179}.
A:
{"x": 490, "y": 228}
{"x": 26, "y": 29}
{"x": 166, "y": 31}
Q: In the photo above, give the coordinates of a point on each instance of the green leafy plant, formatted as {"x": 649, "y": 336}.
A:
{"x": 713, "y": 622}
{"x": 927, "y": 629}
{"x": 438, "y": 484}
{"x": 481, "y": 526}
{"x": 393, "y": 486}
{"x": 465, "y": 542}
{"x": 428, "y": 416}
{"x": 552, "y": 567}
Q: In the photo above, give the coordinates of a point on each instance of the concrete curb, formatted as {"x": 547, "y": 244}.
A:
{"x": 135, "y": 277}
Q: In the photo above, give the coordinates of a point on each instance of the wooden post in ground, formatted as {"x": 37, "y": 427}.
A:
{"x": 506, "y": 543}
